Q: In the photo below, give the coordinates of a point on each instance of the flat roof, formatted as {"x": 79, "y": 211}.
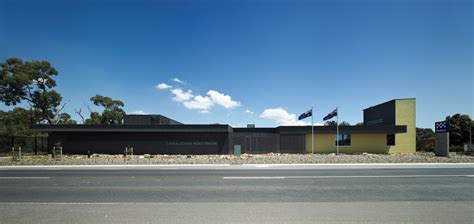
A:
{"x": 131, "y": 128}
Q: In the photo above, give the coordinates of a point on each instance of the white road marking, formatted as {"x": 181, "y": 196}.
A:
{"x": 94, "y": 203}
{"x": 251, "y": 178}
{"x": 24, "y": 177}
{"x": 336, "y": 177}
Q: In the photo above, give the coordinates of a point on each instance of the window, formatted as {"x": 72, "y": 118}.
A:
{"x": 391, "y": 139}
{"x": 344, "y": 139}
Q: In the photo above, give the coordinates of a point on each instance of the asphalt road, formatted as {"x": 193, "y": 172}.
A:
{"x": 419, "y": 195}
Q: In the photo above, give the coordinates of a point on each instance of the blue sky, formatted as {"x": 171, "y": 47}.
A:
{"x": 254, "y": 55}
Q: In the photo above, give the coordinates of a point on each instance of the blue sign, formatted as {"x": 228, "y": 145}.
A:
{"x": 441, "y": 126}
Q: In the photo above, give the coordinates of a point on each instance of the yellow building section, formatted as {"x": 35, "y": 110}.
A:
{"x": 405, "y": 114}
{"x": 371, "y": 143}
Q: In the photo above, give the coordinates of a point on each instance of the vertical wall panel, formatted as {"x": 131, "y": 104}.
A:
{"x": 292, "y": 143}
{"x": 142, "y": 142}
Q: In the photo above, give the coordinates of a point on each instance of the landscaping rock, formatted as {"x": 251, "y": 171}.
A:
{"x": 278, "y": 158}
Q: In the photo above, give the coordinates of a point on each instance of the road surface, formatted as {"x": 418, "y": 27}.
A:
{"x": 250, "y": 195}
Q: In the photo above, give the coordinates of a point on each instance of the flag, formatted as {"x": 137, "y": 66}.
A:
{"x": 330, "y": 115}
{"x": 306, "y": 114}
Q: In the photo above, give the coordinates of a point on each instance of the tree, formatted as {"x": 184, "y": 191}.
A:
{"x": 94, "y": 119}
{"x": 79, "y": 112}
{"x": 16, "y": 122}
{"x": 112, "y": 113}
{"x": 334, "y": 123}
{"x": 344, "y": 123}
{"x": 31, "y": 82}
{"x": 425, "y": 139}
{"x": 65, "y": 118}
{"x": 459, "y": 129}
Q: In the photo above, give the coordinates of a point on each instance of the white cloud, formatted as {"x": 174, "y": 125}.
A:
{"x": 248, "y": 111}
{"x": 163, "y": 86}
{"x": 204, "y": 112}
{"x": 281, "y": 117}
{"x": 203, "y": 103}
{"x": 139, "y": 112}
{"x": 180, "y": 95}
{"x": 178, "y": 81}
{"x": 199, "y": 102}
{"x": 222, "y": 99}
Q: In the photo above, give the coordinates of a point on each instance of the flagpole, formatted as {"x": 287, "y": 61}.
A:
{"x": 337, "y": 131}
{"x": 312, "y": 131}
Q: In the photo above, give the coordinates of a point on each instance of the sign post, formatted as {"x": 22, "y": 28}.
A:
{"x": 237, "y": 151}
{"x": 442, "y": 138}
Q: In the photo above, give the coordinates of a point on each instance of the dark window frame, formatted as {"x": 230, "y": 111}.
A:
{"x": 390, "y": 140}
{"x": 346, "y": 140}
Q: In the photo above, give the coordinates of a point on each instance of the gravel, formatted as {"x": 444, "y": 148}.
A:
{"x": 271, "y": 158}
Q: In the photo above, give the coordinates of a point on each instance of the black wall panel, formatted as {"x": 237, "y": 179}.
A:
{"x": 382, "y": 114}
{"x": 143, "y": 143}
{"x": 292, "y": 143}
{"x": 257, "y": 142}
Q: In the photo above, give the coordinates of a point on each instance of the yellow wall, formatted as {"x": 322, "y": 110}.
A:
{"x": 405, "y": 114}
{"x": 323, "y": 143}
{"x": 372, "y": 143}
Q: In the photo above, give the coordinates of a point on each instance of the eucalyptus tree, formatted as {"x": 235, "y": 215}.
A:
{"x": 31, "y": 82}
{"x": 112, "y": 113}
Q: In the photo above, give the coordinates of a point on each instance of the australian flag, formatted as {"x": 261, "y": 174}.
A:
{"x": 330, "y": 115}
{"x": 306, "y": 114}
